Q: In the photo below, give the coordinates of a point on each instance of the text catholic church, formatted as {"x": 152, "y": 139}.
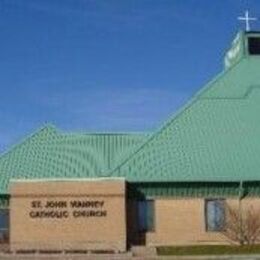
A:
{"x": 80, "y": 191}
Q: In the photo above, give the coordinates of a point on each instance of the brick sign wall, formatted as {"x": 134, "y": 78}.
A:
{"x": 54, "y": 215}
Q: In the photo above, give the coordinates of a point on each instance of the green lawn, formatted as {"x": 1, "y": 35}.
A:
{"x": 208, "y": 250}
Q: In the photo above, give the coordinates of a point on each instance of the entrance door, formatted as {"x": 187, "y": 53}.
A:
{"x": 145, "y": 219}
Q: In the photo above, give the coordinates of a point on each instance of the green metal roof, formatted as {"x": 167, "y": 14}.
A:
{"x": 214, "y": 138}
{"x": 50, "y": 153}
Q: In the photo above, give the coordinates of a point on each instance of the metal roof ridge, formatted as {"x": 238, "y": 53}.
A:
{"x": 195, "y": 97}
{"x": 217, "y": 78}
{"x": 26, "y": 138}
{"x": 105, "y": 133}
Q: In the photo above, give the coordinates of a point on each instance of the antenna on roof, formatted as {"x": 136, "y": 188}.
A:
{"x": 247, "y": 20}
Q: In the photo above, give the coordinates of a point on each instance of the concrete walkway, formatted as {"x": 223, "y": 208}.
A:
{"x": 123, "y": 257}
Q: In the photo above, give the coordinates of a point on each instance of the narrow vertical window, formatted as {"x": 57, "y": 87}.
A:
{"x": 4, "y": 225}
{"x": 145, "y": 215}
{"x": 215, "y": 214}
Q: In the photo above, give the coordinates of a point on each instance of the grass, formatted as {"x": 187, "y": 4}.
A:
{"x": 208, "y": 250}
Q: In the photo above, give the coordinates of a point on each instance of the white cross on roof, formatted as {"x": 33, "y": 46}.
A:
{"x": 247, "y": 20}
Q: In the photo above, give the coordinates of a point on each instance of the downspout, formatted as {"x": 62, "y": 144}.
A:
{"x": 240, "y": 212}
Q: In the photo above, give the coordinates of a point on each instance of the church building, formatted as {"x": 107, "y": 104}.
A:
{"x": 98, "y": 191}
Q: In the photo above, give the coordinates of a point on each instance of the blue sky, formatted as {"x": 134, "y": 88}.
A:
{"x": 108, "y": 65}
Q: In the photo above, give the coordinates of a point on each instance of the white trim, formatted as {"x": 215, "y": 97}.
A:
{"x": 69, "y": 179}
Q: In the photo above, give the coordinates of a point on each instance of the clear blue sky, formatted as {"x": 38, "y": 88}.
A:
{"x": 108, "y": 65}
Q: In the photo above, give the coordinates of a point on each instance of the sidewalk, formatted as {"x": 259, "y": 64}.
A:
{"x": 123, "y": 257}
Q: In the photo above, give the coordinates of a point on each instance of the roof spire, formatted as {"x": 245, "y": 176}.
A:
{"x": 247, "y": 20}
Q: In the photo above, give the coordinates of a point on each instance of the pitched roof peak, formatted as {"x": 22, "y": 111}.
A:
{"x": 245, "y": 44}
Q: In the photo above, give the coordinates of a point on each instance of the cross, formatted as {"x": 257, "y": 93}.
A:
{"x": 247, "y": 20}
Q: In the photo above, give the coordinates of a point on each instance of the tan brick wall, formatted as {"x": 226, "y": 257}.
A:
{"x": 181, "y": 222}
{"x": 177, "y": 221}
{"x": 106, "y": 232}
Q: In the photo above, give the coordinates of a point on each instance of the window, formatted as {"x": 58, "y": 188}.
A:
{"x": 254, "y": 45}
{"x": 145, "y": 210}
{"x": 4, "y": 225}
{"x": 215, "y": 214}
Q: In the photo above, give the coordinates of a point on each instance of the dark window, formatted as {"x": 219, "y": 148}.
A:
{"x": 254, "y": 45}
{"x": 145, "y": 211}
{"x": 4, "y": 225}
{"x": 215, "y": 214}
